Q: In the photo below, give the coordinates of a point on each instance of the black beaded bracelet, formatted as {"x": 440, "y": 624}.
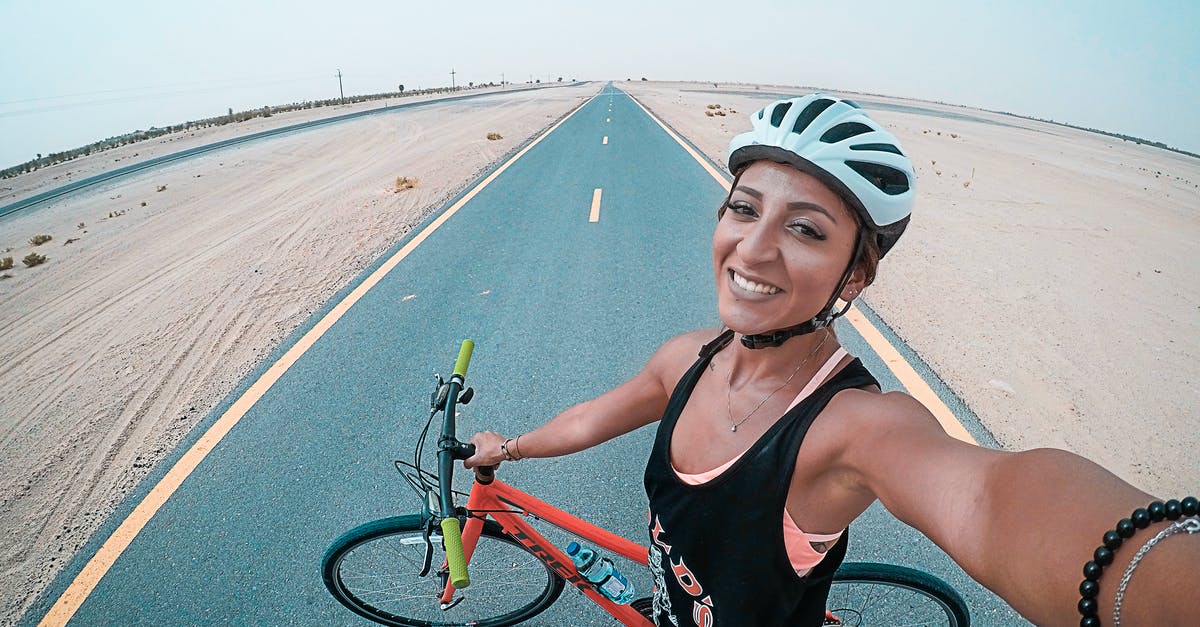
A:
{"x": 1113, "y": 538}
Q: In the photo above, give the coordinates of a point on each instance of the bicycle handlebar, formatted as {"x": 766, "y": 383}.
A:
{"x": 464, "y": 358}
{"x": 451, "y": 532}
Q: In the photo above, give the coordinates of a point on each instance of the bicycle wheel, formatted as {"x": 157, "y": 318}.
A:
{"x": 374, "y": 570}
{"x": 865, "y": 594}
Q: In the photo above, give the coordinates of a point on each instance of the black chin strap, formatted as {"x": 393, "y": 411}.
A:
{"x": 773, "y": 339}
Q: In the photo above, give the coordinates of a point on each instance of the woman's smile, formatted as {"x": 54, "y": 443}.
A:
{"x": 751, "y": 287}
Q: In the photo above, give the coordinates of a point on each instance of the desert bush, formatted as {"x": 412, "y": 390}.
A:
{"x": 80, "y": 225}
{"x": 38, "y": 240}
{"x": 33, "y": 259}
{"x": 161, "y": 188}
{"x": 6, "y": 263}
{"x": 404, "y": 182}
{"x": 719, "y": 112}
{"x": 494, "y": 136}
{"x": 708, "y": 113}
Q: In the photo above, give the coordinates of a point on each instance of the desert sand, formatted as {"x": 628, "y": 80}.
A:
{"x": 1047, "y": 276}
{"x": 180, "y": 280}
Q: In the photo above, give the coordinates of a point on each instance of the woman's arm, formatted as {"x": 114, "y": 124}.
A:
{"x": 1022, "y": 524}
{"x": 633, "y": 404}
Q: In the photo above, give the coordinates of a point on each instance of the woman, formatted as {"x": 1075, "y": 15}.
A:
{"x": 784, "y": 437}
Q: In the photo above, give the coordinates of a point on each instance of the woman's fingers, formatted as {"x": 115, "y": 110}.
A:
{"x": 487, "y": 450}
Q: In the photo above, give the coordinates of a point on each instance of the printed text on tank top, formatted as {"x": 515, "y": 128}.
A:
{"x": 804, "y": 550}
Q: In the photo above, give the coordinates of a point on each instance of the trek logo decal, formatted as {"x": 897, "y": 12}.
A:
{"x": 702, "y": 604}
{"x": 567, "y": 573}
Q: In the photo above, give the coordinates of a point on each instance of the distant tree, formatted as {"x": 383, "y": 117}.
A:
{"x": 560, "y": 79}
{"x": 470, "y": 84}
{"x": 643, "y": 78}
{"x": 539, "y": 81}
{"x": 401, "y": 90}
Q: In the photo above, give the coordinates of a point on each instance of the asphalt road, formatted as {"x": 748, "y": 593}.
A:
{"x": 561, "y": 309}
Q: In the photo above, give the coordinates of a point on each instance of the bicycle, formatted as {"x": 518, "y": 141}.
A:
{"x": 384, "y": 570}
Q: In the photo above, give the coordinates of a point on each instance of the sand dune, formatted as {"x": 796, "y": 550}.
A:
{"x": 181, "y": 281}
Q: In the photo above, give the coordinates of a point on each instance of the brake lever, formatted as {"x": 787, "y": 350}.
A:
{"x": 425, "y": 564}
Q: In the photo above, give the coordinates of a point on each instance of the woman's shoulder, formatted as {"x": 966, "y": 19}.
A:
{"x": 678, "y": 354}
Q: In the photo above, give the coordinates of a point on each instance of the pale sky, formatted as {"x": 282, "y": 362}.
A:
{"x": 75, "y": 72}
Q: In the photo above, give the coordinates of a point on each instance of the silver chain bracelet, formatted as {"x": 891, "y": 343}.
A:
{"x": 1187, "y": 525}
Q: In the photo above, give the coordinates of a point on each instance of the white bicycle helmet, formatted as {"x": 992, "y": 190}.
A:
{"x": 833, "y": 140}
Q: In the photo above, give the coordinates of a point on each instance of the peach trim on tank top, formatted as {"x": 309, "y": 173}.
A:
{"x": 800, "y": 551}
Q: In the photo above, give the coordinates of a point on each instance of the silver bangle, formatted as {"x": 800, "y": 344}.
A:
{"x": 1187, "y": 525}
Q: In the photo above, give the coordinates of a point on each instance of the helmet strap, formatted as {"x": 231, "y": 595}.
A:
{"x": 773, "y": 339}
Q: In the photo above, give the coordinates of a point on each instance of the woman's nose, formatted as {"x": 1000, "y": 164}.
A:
{"x": 757, "y": 245}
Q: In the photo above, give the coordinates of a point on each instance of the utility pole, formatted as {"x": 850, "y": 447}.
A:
{"x": 452, "y": 87}
{"x": 341, "y": 94}
{"x": 502, "y": 79}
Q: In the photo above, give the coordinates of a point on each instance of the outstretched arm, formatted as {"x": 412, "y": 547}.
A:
{"x": 1022, "y": 524}
{"x": 633, "y": 404}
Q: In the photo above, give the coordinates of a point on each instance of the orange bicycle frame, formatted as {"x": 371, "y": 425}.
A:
{"x": 509, "y": 507}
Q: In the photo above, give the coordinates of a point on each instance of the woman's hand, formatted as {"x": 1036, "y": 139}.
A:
{"x": 487, "y": 450}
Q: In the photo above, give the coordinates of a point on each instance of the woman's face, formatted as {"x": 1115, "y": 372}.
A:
{"x": 780, "y": 249}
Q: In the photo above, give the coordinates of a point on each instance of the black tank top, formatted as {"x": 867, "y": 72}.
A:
{"x": 717, "y": 549}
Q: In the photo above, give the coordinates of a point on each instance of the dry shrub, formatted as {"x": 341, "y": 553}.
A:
{"x": 494, "y": 136}
{"x": 80, "y": 225}
{"x": 719, "y": 112}
{"x": 161, "y": 188}
{"x": 71, "y": 240}
{"x": 713, "y": 106}
{"x": 33, "y": 259}
{"x": 708, "y": 113}
{"x": 966, "y": 183}
{"x": 404, "y": 182}
{"x": 954, "y": 135}
{"x": 6, "y": 263}
{"x": 38, "y": 240}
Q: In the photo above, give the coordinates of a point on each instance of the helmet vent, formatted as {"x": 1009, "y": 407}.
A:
{"x": 845, "y": 130}
{"x": 777, "y": 114}
{"x": 810, "y": 113}
{"x": 889, "y": 180}
{"x": 881, "y": 147}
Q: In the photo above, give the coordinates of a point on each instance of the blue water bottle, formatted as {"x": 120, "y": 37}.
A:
{"x": 600, "y": 571}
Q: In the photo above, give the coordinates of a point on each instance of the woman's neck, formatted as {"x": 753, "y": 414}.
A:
{"x": 764, "y": 365}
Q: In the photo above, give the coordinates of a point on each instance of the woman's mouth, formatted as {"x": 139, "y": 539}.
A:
{"x": 752, "y": 286}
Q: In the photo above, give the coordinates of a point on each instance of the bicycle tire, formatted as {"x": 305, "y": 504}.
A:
{"x": 866, "y": 594}
{"x": 374, "y": 571}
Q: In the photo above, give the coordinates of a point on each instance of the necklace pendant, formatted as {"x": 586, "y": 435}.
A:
{"x": 733, "y": 428}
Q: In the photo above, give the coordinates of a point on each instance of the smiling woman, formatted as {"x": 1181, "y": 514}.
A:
{"x": 783, "y": 436}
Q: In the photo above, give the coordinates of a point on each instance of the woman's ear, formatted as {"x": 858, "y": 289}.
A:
{"x": 855, "y": 286}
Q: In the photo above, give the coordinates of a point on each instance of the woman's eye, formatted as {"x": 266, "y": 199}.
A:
{"x": 742, "y": 209}
{"x": 807, "y": 230}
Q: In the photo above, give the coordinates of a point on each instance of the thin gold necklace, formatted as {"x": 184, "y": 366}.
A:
{"x": 729, "y": 389}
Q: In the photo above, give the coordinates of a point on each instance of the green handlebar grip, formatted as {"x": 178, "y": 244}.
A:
{"x": 464, "y": 358}
{"x": 452, "y": 536}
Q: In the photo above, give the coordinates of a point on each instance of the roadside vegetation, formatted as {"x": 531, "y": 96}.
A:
{"x": 38, "y": 240}
{"x": 6, "y": 263}
{"x": 494, "y": 136}
{"x": 232, "y": 117}
{"x": 34, "y": 259}
{"x": 404, "y": 182}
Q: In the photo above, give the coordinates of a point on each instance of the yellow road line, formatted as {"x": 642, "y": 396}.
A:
{"x": 87, "y": 579}
{"x": 908, "y": 376}
{"x": 605, "y": 142}
{"x": 595, "y": 215}
{"x": 901, "y": 369}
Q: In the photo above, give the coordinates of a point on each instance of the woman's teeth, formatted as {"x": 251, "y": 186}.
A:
{"x": 751, "y": 286}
